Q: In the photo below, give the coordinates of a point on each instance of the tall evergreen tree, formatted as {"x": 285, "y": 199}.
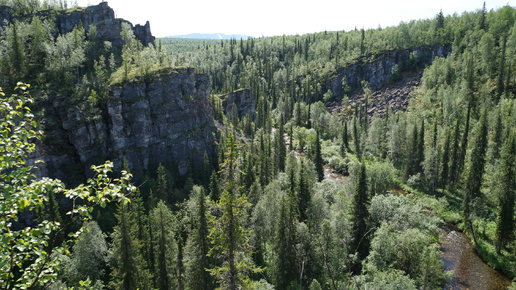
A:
{"x": 356, "y": 137}
{"x": 129, "y": 270}
{"x": 445, "y": 161}
{"x": 304, "y": 194}
{"x": 463, "y": 147}
{"x": 229, "y": 238}
{"x": 319, "y": 167}
{"x": 359, "y": 219}
{"x": 165, "y": 247}
{"x": 455, "y": 152}
{"x": 420, "y": 150}
{"x": 214, "y": 187}
{"x": 285, "y": 268}
{"x": 345, "y": 143}
{"x": 506, "y": 195}
{"x": 280, "y": 148}
{"x": 500, "y": 88}
{"x": 197, "y": 245}
{"x": 475, "y": 174}
{"x": 412, "y": 155}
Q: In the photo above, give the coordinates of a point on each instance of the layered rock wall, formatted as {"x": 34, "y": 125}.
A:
{"x": 376, "y": 69}
{"x": 169, "y": 118}
{"x": 244, "y": 100}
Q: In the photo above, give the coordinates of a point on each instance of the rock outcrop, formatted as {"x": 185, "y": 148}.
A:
{"x": 101, "y": 15}
{"x": 396, "y": 95}
{"x": 169, "y": 118}
{"x": 377, "y": 69}
{"x": 244, "y": 100}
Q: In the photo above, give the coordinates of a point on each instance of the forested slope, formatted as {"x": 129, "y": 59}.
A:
{"x": 254, "y": 212}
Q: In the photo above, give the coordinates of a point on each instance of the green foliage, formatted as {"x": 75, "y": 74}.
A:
{"x": 25, "y": 262}
{"x": 360, "y": 217}
{"x": 165, "y": 247}
{"x": 506, "y": 195}
{"x": 197, "y": 245}
{"x": 227, "y": 234}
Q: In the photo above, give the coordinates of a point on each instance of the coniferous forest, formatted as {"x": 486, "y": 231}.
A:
{"x": 335, "y": 160}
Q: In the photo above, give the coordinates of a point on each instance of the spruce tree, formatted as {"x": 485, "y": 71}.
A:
{"x": 129, "y": 269}
{"x": 463, "y": 147}
{"x": 319, "y": 167}
{"x": 500, "y": 89}
{"x": 506, "y": 195}
{"x": 214, "y": 187}
{"x": 280, "y": 150}
{"x": 345, "y": 143}
{"x": 497, "y": 136}
{"x": 445, "y": 161}
{"x": 165, "y": 247}
{"x": 359, "y": 219}
{"x": 455, "y": 151}
{"x": 420, "y": 151}
{"x": 285, "y": 269}
{"x": 475, "y": 174}
{"x": 412, "y": 156}
{"x": 356, "y": 138}
{"x": 304, "y": 195}
{"x": 228, "y": 236}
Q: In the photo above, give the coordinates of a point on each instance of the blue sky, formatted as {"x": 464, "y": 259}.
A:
{"x": 278, "y": 17}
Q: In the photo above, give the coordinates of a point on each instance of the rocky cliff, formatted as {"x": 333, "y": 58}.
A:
{"x": 377, "y": 69}
{"x": 244, "y": 100}
{"x": 168, "y": 118}
{"x": 101, "y": 15}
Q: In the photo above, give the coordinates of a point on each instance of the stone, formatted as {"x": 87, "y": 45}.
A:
{"x": 169, "y": 118}
{"x": 244, "y": 100}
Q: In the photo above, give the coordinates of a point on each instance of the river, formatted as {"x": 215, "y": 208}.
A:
{"x": 471, "y": 272}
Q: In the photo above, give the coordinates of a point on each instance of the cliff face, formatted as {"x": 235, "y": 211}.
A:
{"x": 168, "y": 118}
{"x": 377, "y": 69}
{"x": 244, "y": 100}
{"x": 101, "y": 15}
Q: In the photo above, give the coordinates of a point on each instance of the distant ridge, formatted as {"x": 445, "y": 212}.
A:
{"x": 210, "y": 36}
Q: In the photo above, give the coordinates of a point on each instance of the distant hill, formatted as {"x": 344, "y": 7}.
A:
{"x": 210, "y": 36}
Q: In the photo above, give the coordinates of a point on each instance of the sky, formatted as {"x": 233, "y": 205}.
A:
{"x": 278, "y": 17}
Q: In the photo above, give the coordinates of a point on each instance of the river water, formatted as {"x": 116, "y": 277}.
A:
{"x": 471, "y": 272}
